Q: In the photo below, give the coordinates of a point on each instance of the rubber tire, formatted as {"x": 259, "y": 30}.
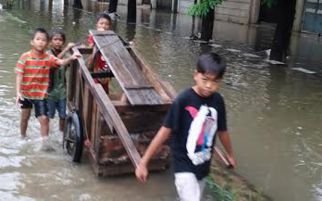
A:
{"x": 72, "y": 120}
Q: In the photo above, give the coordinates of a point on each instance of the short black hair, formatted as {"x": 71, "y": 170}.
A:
{"x": 57, "y": 32}
{"x": 105, "y": 16}
{"x": 211, "y": 63}
{"x": 39, "y": 30}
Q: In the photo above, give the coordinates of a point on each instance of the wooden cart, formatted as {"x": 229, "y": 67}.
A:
{"x": 119, "y": 131}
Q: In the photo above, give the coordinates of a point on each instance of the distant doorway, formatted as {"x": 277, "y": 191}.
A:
{"x": 267, "y": 14}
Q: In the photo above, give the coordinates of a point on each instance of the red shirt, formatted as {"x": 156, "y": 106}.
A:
{"x": 35, "y": 74}
{"x": 99, "y": 62}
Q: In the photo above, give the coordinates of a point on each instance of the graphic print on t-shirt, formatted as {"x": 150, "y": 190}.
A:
{"x": 201, "y": 133}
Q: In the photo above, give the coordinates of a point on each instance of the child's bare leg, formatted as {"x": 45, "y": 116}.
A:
{"x": 24, "y": 118}
{"x": 44, "y": 126}
{"x": 61, "y": 124}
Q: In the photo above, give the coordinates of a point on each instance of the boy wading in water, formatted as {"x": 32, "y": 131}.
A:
{"x": 57, "y": 84}
{"x": 32, "y": 80}
{"x": 193, "y": 121}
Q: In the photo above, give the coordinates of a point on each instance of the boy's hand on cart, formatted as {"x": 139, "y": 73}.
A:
{"x": 132, "y": 42}
{"x": 70, "y": 45}
{"x": 76, "y": 55}
{"x": 231, "y": 160}
{"x": 226, "y": 159}
{"x": 87, "y": 143}
{"x": 141, "y": 173}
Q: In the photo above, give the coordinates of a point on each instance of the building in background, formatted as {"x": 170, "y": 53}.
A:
{"x": 308, "y": 17}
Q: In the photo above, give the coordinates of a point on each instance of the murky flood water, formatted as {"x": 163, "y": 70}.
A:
{"x": 274, "y": 112}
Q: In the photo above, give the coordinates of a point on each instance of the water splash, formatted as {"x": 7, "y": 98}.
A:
{"x": 303, "y": 70}
{"x": 317, "y": 191}
{"x": 233, "y": 50}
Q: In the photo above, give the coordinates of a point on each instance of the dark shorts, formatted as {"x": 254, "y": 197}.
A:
{"x": 60, "y": 105}
{"x": 39, "y": 105}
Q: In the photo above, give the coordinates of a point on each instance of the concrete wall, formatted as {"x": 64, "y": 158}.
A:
{"x": 237, "y": 11}
{"x": 183, "y": 5}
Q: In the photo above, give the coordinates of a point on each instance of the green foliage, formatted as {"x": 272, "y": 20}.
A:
{"x": 218, "y": 192}
{"x": 269, "y": 3}
{"x": 203, "y": 7}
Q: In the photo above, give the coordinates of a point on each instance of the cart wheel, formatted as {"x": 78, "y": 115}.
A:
{"x": 73, "y": 137}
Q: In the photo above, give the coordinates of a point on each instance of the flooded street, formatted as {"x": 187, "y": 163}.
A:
{"x": 274, "y": 112}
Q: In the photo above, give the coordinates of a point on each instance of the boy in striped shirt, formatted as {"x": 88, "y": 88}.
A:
{"x": 32, "y": 80}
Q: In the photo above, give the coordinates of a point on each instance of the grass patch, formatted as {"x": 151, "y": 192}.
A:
{"x": 226, "y": 185}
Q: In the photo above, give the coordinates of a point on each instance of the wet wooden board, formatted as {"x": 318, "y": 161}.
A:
{"x": 128, "y": 73}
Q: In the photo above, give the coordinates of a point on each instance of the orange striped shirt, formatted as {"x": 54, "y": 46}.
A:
{"x": 35, "y": 74}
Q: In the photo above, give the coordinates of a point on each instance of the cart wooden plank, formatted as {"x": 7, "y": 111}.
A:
{"x": 114, "y": 126}
{"x": 108, "y": 112}
{"x": 135, "y": 85}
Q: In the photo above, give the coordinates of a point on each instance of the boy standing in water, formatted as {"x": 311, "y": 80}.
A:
{"x": 194, "y": 119}
{"x": 32, "y": 80}
{"x": 57, "y": 84}
{"x": 96, "y": 61}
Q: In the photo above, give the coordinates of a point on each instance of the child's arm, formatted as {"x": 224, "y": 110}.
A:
{"x": 63, "y": 62}
{"x": 225, "y": 141}
{"x": 18, "y": 83}
{"x": 141, "y": 171}
{"x": 91, "y": 45}
{"x": 90, "y": 41}
{"x": 90, "y": 59}
{"x": 66, "y": 49}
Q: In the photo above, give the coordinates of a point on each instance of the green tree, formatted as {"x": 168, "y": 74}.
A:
{"x": 206, "y": 10}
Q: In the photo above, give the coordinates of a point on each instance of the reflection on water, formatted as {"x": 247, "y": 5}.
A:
{"x": 13, "y": 161}
{"x": 10, "y": 181}
{"x": 274, "y": 112}
{"x": 10, "y": 186}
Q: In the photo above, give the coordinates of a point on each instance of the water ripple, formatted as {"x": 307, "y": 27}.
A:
{"x": 10, "y": 196}
{"x": 10, "y": 181}
{"x": 11, "y": 161}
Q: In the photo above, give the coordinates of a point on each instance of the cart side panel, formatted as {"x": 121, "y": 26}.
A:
{"x": 93, "y": 123}
{"x": 142, "y": 119}
{"x": 87, "y": 112}
{"x": 114, "y": 156}
{"x": 127, "y": 168}
{"x": 105, "y": 121}
{"x": 142, "y": 124}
